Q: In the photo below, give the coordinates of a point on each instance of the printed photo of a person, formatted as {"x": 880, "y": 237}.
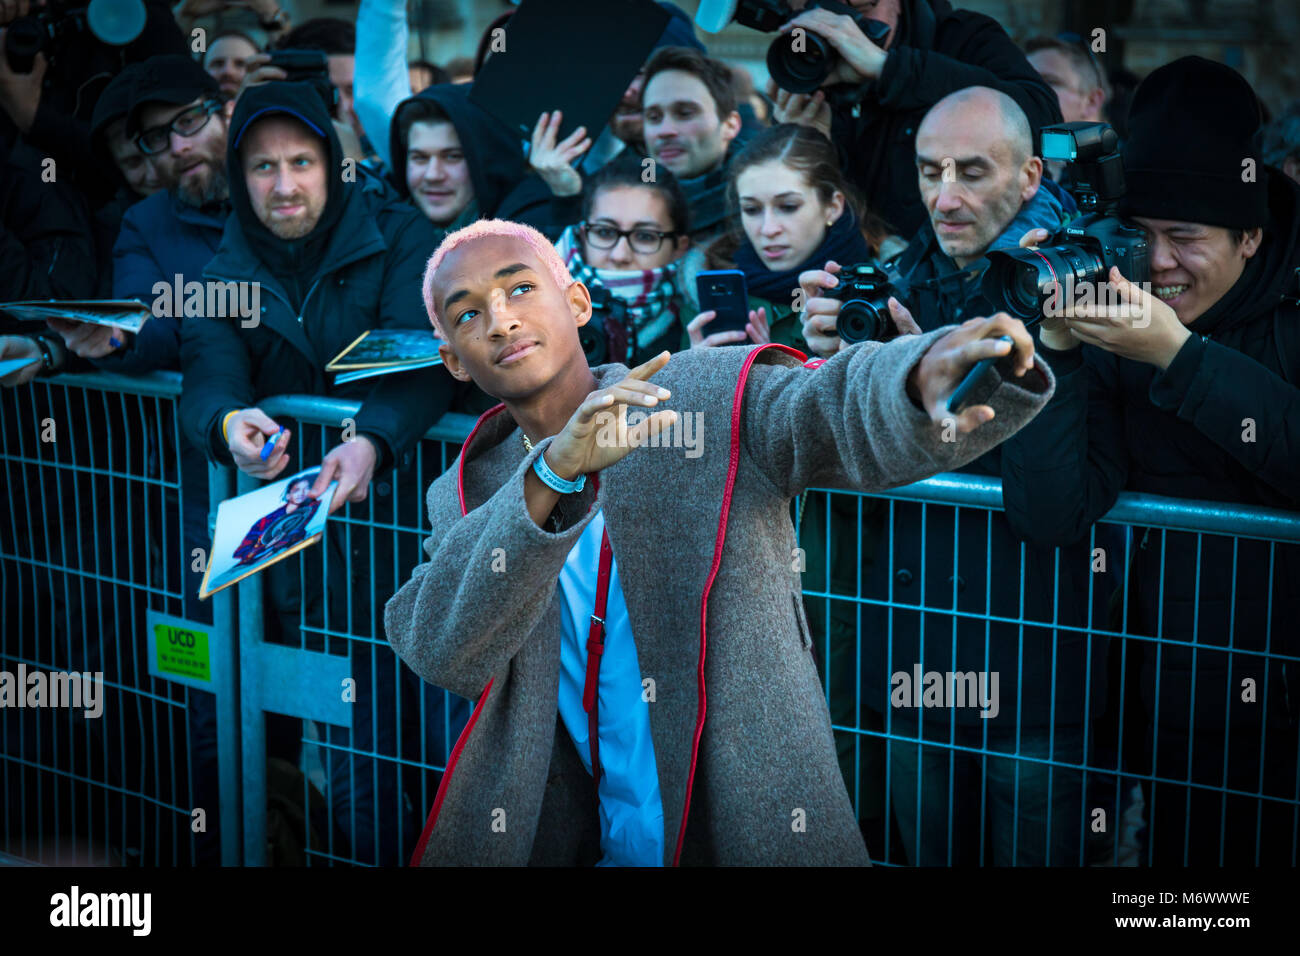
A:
{"x": 285, "y": 526}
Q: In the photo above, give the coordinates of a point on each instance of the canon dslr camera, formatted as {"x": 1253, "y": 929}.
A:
{"x": 864, "y": 292}
{"x": 798, "y": 62}
{"x": 1020, "y": 282}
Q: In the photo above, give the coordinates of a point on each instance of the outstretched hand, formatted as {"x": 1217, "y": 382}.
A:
{"x": 553, "y": 160}
{"x": 597, "y": 435}
{"x": 947, "y": 361}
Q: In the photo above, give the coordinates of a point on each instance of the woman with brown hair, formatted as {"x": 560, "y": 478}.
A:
{"x": 791, "y": 210}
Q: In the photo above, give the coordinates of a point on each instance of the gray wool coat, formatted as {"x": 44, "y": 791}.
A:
{"x": 705, "y": 549}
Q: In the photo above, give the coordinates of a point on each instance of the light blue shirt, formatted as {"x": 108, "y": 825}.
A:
{"x": 631, "y": 811}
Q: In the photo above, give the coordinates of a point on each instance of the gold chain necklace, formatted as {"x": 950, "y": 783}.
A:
{"x": 528, "y": 446}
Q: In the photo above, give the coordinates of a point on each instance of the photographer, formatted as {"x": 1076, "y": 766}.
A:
{"x": 878, "y": 93}
{"x": 982, "y": 199}
{"x": 52, "y": 105}
{"x": 1191, "y": 389}
{"x": 982, "y": 188}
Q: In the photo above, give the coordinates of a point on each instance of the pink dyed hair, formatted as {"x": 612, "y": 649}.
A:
{"x": 481, "y": 229}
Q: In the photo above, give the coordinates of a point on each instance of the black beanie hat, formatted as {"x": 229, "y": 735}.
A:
{"x": 1192, "y": 125}
{"x": 171, "y": 78}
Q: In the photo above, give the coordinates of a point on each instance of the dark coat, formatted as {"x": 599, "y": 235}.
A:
{"x": 368, "y": 277}
{"x": 972, "y": 562}
{"x": 161, "y": 237}
{"x": 1117, "y": 424}
{"x": 46, "y": 250}
{"x": 938, "y": 51}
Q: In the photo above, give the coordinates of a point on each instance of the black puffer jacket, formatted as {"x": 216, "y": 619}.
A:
{"x": 1222, "y": 424}
{"x": 365, "y": 273}
{"x": 937, "y": 51}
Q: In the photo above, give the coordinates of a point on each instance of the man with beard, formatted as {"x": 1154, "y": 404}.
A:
{"x": 334, "y": 256}
{"x": 179, "y": 123}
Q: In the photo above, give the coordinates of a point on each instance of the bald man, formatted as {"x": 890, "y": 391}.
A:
{"x": 983, "y": 189}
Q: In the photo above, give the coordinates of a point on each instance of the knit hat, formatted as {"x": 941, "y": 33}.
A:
{"x": 1192, "y": 126}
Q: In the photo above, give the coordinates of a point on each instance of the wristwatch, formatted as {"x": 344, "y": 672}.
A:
{"x": 47, "y": 353}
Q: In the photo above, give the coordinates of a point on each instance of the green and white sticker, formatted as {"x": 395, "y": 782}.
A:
{"x": 182, "y": 652}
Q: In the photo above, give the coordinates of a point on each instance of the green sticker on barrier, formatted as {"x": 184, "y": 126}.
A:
{"x": 182, "y": 652}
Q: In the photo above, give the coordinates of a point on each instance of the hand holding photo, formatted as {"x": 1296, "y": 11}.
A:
{"x": 262, "y": 527}
{"x": 125, "y": 314}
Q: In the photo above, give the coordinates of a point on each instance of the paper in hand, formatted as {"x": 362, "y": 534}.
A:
{"x": 13, "y": 365}
{"x": 257, "y": 529}
{"x": 383, "y": 351}
{"x": 124, "y": 313}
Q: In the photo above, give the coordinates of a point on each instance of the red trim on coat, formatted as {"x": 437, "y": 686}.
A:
{"x": 446, "y": 777}
{"x": 460, "y": 467}
{"x": 713, "y": 573}
{"x": 719, "y": 542}
{"x": 464, "y": 734}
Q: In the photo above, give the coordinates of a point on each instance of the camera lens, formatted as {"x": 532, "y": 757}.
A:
{"x": 862, "y": 320}
{"x": 802, "y": 70}
{"x": 593, "y": 340}
{"x": 1020, "y": 282}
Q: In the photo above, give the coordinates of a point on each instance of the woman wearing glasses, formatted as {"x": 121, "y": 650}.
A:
{"x": 791, "y": 210}
{"x": 625, "y": 250}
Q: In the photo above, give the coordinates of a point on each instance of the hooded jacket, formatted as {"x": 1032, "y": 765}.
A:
{"x": 504, "y": 187}
{"x": 359, "y": 269}
{"x": 937, "y": 51}
{"x": 1221, "y": 423}
{"x": 741, "y": 732}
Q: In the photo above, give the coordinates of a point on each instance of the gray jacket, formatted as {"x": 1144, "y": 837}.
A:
{"x": 705, "y": 550}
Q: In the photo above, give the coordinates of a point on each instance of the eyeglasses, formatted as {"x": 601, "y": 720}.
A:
{"x": 642, "y": 240}
{"x": 186, "y": 123}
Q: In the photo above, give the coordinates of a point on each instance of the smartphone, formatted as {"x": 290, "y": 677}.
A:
{"x": 979, "y": 384}
{"x": 723, "y": 291}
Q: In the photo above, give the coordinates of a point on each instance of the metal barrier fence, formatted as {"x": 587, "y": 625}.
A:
{"x": 1097, "y": 746}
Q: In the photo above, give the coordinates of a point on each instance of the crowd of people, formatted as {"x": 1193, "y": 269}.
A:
{"x": 921, "y": 156}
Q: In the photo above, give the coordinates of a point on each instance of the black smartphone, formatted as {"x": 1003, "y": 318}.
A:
{"x": 723, "y": 291}
{"x": 979, "y": 384}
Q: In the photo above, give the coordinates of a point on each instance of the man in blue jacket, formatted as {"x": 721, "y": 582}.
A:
{"x": 179, "y": 122}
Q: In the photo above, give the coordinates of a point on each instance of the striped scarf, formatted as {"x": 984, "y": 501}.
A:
{"x": 649, "y": 295}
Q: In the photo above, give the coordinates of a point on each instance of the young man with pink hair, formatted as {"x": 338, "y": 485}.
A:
{"x": 624, "y": 609}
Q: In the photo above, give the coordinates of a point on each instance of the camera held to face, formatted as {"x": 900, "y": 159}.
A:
{"x": 799, "y": 62}
{"x": 864, "y": 292}
{"x": 46, "y": 30}
{"x": 1020, "y": 282}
